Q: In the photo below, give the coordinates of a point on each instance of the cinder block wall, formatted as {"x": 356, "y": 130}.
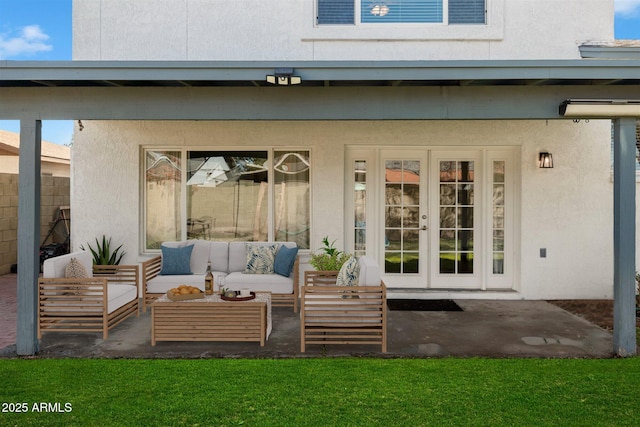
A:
{"x": 54, "y": 193}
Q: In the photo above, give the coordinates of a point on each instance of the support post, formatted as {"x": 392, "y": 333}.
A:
{"x": 624, "y": 236}
{"x": 28, "y": 236}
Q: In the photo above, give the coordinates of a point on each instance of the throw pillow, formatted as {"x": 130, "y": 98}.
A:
{"x": 285, "y": 259}
{"x": 176, "y": 260}
{"x": 75, "y": 270}
{"x": 349, "y": 272}
{"x": 260, "y": 259}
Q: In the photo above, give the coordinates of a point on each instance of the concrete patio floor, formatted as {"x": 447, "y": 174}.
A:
{"x": 485, "y": 328}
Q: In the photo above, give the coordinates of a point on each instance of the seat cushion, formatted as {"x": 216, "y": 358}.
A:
{"x": 219, "y": 256}
{"x": 55, "y": 267}
{"x": 369, "y": 274}
{"x": 274, "y": 283}
{"x": 120, "y": 295}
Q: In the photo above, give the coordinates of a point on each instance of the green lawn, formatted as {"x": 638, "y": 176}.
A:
{"x": 322, "y": 392}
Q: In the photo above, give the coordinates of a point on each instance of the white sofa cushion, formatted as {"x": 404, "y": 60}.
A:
{"x": 369, "y": 274}
{"x": 274, "y": 283}
{"x": 219, "y": 256}
{"x": 55, "y": 267}
{"x": 120, "y": 295}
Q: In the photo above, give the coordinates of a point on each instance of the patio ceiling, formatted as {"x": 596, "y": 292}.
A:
{"x": 594, "y": 72}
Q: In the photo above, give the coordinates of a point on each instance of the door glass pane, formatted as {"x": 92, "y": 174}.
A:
{"x": 457, "y": 198}
{"x": 402, "y": 216}
{"x": 410, "y": 217}
{"x": 448, "y": 171}
{"x": 163, "y": 176}
{"x": 465, "y": 240}
{"x": 360, "y": 207}
{"x": 410, "y": 261}
{"x": 498, "y": 216}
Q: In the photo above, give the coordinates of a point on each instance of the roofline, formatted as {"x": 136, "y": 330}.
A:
{"x": 101, "y": 73}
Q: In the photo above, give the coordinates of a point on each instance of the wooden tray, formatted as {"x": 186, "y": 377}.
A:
{"x": 185, "y": 297}
{"x": 252, "y": 296}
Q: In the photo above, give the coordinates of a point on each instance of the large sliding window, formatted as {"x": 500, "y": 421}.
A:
{"x": 336, "y": 12}
{"x": 227, "y": 196}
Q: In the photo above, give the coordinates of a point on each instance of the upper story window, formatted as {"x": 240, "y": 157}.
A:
{"x": 353, "y": 12}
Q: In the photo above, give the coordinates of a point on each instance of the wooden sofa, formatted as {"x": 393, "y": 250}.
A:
{"x": 331, "y": 314}
{"x": 227, "y": 261}
{"x": 93, "y": 304}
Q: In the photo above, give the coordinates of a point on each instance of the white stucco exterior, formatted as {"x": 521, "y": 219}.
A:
{"x": 286, "y": 30}
{"x": 565, "y": 212}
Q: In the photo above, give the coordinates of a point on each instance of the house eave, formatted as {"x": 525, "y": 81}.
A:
{"x": 319, "y": 73}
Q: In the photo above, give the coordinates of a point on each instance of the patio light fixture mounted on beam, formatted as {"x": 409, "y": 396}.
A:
{"x": 600, "y": 108}
{"x": 283, "y": 77}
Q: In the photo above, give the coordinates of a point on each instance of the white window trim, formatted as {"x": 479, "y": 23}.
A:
{"x": 492, "y": 30}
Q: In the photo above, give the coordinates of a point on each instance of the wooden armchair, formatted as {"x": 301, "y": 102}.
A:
{"x": 93, "y": 304}
{"x": 331, "y": 314}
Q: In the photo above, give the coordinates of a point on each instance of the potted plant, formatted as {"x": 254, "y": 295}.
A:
{"x": 329, "y": 258}
{"x": 103, "y": 255}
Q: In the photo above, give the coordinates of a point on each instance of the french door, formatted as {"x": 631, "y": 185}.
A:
{"x": 439, "y": 219}
{"x": 405, "y": 221}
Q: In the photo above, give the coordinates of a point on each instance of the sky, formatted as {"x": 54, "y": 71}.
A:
{"x": 40, "y": 30}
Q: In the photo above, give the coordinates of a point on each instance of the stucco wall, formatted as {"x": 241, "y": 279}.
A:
{"x": 284, "y": 30}
{"x": 567, "y": 210}
{"x": 54, "y": 193}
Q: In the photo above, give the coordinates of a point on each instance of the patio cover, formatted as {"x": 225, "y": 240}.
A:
{"x": 329, "y": 90}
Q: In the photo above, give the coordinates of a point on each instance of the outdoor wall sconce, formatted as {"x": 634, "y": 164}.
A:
{"x": 545, "y": 160}
{"x": 283, "y": 77}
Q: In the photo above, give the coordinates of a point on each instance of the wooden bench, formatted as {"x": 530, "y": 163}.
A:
{"x": 331, "y": 314}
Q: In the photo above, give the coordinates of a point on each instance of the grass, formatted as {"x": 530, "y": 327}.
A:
{"x": 322, "y": 392}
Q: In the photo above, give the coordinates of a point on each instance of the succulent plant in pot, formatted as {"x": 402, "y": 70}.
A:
{"x": 329, "y": 258}
{"x": 103, "y": 254}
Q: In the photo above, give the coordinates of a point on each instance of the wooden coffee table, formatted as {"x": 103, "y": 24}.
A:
{"x": 211, "y": 319}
